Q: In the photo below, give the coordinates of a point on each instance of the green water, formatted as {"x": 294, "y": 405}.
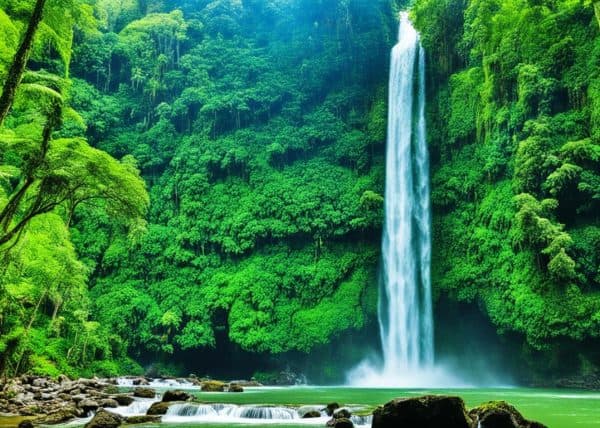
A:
{"x": 555, "y": 408}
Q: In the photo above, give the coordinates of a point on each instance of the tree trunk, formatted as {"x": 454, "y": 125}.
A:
{"x": 597, "y": 10}
{"x": 20, "y": 61}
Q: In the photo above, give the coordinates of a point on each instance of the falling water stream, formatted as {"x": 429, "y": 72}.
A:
{"x": 405, "y": 314}
{"x": 405, "y": 305}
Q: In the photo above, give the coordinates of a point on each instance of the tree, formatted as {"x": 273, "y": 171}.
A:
{"x": 19, "y": 63}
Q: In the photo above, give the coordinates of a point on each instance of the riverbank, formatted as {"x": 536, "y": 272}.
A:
{"x": 282, "y": 407}
{"x": 52, "y": 401}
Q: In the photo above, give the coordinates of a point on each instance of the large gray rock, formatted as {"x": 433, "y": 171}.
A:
{"x": 429, "y": 411}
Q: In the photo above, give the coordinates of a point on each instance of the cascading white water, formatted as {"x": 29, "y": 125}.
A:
{"x": 251, "y": 414}
{"x": 405, "y": 312}
{"x": 405, "y": 305}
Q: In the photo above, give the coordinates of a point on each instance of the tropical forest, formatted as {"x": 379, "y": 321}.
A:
{"x": 358, "y": 213}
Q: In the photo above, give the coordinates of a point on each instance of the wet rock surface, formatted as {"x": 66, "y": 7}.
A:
{"x": 159, "y": 408}
{"x": 143, "y": 419}
{"x": 143, "y": 392}
{"x": 105, "y": 419}
{"x": 500, "y": 414}
{"x": 343, "y": 423}
{"x": 213, "y": 386}
{"x": 53, "y": 401}
{"x": 176, "y": 395}
{"x": 234, "y": 387}
{"x": 429, "y": 411}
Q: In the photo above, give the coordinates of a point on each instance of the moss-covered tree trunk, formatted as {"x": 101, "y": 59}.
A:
{"x": 20, "y": 61}
{"x": 597, "y": 10}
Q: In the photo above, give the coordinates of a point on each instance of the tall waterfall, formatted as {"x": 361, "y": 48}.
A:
{"x": 405, "y": 305}
{"x": 405, "y": 314}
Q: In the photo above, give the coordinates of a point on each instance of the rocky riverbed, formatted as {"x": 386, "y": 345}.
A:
{"x": 30, "y": 401}
{"x": 39, "y": 400}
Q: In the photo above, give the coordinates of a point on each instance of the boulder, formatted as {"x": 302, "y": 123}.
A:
{"x": 144, "y": 393}
{"x": 213, "y": 386}
{"x": 311, "y": 414}
{"x": 144, "y": 419}
{"x": 63, "y": 396}
{"x": 159, "y": 408}
{"x": 88, "y": 404}
{"x": 30, "y": 410}
{"x": 59, "y": 415}
{"x": 141, "y": 381}
{"x": 105, "y": 419}
{"x": 500, "y": 414}
{"x": 343, "y": 423}
{"x": 123, "y": 400}
{"x": 331, "y": 407}
{"x": 109, "y": 403}
{"x": 429, "y": 411}
{"x": 176, "y": 395}
{"x": 234, "y": 387}
{"x": 342, "y": 413}
{"x": 40, "y": 382}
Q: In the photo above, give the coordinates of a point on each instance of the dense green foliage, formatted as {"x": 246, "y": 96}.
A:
{"x": 48, "y": 174}
{"x": 259, "y": 128}
{"x": 515, "y": 137}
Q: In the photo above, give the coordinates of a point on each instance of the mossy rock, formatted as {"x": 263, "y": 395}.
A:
{"x": 213, "y": 386}
{"x": 105, "y": 419}
{"x": 500, "y": 414}
{"x": 59, "y": 415}
{"x": 175, "y": 395}
{"x": 429, "y": 411}
{"x": 332, "y": 407}
{"x": 234, "y": 387}
{"x": 111, "y": 389}
{"x": 144, "y": 392}
{"x": 144, "y": 419}
{"x": 159, "y": 408}
{"x": 123, "y": 399}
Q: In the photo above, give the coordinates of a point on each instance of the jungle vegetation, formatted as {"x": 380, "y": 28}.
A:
{"x": 190, "y": 176}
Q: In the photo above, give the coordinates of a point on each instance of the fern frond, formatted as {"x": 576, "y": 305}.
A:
{"x": 37, "y": 89}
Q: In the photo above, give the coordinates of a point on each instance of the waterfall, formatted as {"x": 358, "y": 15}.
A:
{"x": 217, "y": 413}
{"x": 405, "y": 302}
{"x": 405, "y": 312}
